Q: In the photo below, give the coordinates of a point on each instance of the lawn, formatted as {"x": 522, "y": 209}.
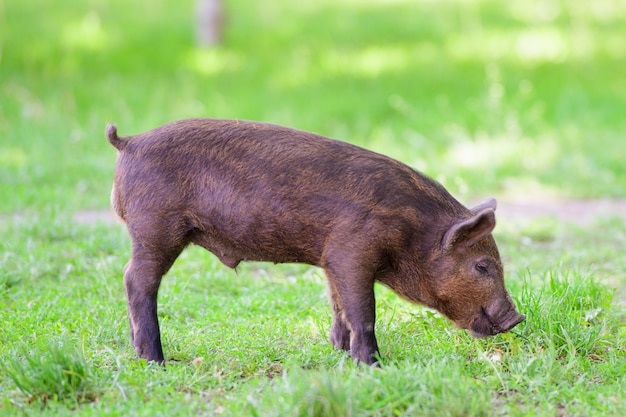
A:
{"x": 518, "y": 100}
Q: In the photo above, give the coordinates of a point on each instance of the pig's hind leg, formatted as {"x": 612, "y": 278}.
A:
{"x": 150, "y": 260}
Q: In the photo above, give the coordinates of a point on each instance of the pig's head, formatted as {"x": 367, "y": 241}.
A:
{"x": 469, "y": 286}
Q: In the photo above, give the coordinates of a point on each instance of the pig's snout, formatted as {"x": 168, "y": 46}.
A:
{"x": 499, "y": 317}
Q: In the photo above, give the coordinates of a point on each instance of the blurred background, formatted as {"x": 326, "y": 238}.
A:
{"x": 515, "y": 99}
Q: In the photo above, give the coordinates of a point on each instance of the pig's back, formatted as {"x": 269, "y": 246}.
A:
{"x": 261, "y": 155}
{"x": 257, "y": 182}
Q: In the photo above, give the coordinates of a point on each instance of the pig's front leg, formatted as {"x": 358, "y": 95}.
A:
{"x": 339, "y": 332}
{"x": 355, "y": 300}
{"x": 360, "y": 313}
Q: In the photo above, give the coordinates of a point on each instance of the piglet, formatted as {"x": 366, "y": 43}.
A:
{"x": 250, "y": 191}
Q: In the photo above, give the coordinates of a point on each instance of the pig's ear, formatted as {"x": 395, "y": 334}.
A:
{"x": 488, "y": 203}
{"x": 469, "y": 231}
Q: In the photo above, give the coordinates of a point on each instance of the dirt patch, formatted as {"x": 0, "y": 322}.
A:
{"x": 580, "y": 212}
{"x": 96, "y": 216}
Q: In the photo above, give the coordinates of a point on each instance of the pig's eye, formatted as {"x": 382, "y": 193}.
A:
{"x": 481, "y": 267}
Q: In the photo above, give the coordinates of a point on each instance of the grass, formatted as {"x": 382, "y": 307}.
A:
{"x": 56, "y": 373}
{"x": 260, "y": 346}
{"x": 512, "y": 99}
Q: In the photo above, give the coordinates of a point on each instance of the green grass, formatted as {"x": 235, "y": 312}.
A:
{"x": 513, "y": 99}
{"x": 256, "y": 341}
{"x": 56, "y": 373}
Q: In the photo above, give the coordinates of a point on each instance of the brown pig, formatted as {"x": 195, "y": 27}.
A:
{"x": 249, "y": 191}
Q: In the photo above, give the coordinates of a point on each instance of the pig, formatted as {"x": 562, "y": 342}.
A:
{"x": 251, "y": 191}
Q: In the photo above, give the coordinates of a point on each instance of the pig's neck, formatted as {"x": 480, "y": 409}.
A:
{"x": 411, "y": 276}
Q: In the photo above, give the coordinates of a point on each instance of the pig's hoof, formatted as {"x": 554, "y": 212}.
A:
{"x": 372, "y": 362}
{"x": 341, "y": 342}
{"x": 340, "y": 336}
